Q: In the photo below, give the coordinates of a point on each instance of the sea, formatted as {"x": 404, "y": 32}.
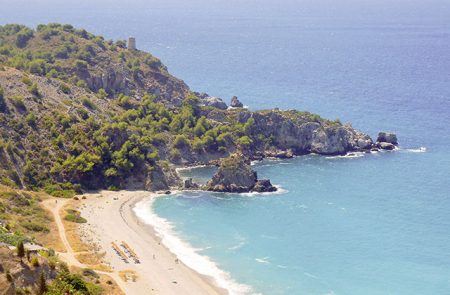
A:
{"x": 361, "y": 224}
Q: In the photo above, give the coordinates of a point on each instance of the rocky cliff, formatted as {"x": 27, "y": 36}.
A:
{"x": 79, "y": 111}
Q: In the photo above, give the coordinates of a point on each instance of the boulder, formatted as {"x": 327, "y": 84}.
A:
{"x": 235, "y": 103}
{"x": 236, "y": 176}
{"x": 388, "y": 137}
{"x": 215, "y": 102}
{"x": 386, "y": 146}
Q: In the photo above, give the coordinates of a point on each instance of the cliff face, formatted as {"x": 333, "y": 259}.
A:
{"x": 79, "y": 110}
{"x": 307, "y": 133}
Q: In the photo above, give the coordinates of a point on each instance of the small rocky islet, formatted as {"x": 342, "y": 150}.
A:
{"x": 79, "y": 112}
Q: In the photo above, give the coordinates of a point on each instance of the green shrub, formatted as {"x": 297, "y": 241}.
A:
{"x": 31, "y": 119}
{"x": 198, "y": 144}
{"x": 33, "y": 226}
{"x": 18, "y": 102}
{"x": 245, "y": 141}
{"x": 64, "y": 88}
{"x": 23, "y": 36}
{"x": 52, "y": 74}
{"x": 102, "y": 93}
{"x": 37, "y": 66}
{"x": 61, "y": 190}
{"x": 88, "y": 103}
{"x": 34, "y": 261}
{"x": 181, "y": 141}
{"x": 74, "y": 216}
{"x": 26, "y": 80}
{"x": 34, "y": 89}
{"x": 81, "y": 64}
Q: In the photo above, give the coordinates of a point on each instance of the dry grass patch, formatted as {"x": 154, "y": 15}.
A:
{"x": 94, "y": 260}
{"x": 72, "y": 230}
{"x": 128, "y": 275}
{"x": 25, "y": 217}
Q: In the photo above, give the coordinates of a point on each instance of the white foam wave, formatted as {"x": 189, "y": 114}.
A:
{"x": 263, "y": 260}
{"x": 421, "y": 149}
{"x": 279, "y": 191}
{"x": 184, "y": 251}
{"x": 189, "y": 168}
{"x": 238, "y": 246}
{"x": 347, "y": 156}
{"x": 310, "y": 275}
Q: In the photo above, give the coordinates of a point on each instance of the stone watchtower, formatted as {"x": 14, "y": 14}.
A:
{"x": 131, "y": 43}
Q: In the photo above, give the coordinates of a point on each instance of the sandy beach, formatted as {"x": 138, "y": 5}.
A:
{"x": 111, "y": 220}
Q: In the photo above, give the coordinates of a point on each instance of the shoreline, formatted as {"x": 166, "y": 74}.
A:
{"x": 111, "y": 218}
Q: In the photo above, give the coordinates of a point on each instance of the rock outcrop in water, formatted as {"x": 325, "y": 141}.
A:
{"x": 236, "y": 176}
{"x": 387, "y": 140}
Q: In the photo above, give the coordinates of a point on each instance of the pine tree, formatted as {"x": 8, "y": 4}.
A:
{"x": 42, "y": 284}
{"x": 20, "y": 250}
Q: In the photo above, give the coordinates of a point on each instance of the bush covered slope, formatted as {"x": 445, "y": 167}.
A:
{"x": 77, "y": 111}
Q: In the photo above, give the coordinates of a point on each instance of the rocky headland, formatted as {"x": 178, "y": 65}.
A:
{"x": 78, "y": 112}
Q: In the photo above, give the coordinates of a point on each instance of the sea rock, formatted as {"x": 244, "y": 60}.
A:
{"x": 386, "y": 146}
{"x": 189, "y": 184}
{"x": 264, "y": 185}
{"x": 236, "y": 176}
{"x": 235, "y": 103}
{"x": 215, "y": 102}
{"x": 388, "y": 137}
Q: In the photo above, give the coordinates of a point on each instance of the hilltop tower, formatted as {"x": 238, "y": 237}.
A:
{"x": 131, "y": 43}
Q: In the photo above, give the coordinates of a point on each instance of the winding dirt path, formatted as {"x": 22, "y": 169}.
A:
{"x": 55, "y": 206}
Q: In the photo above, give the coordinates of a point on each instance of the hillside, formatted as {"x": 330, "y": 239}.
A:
{"x": 81, "y": 112}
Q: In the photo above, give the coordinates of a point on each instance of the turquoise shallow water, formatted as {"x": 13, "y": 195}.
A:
{"x": 345, "y": 226}
{"x": 376, "y": 224}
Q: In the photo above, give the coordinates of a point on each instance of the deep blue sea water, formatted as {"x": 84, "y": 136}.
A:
{"x": 377, "y": 224}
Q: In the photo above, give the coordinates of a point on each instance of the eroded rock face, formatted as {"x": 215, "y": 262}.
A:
{"x": 235, "y": 103}
{"x": 215, "y": 102}
{"x": 388, "y": 137}
{"x": 236, "y": 176}
{"x": 280, "y": 154}
{"x": 303, "y": 135}
{"x": 161, "y": 178}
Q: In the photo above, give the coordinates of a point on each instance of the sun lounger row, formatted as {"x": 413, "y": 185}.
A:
{"x": 119, "y": 252}
{"x": 130, "y": 252}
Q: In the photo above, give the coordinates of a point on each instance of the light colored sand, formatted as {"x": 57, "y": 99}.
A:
{"x": 69, "y": 255}
{"x": 111, "y": 219}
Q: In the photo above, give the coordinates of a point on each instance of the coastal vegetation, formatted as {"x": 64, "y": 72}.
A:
{"x": 22, "y": 218}
{"x": 79, "y": 111}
